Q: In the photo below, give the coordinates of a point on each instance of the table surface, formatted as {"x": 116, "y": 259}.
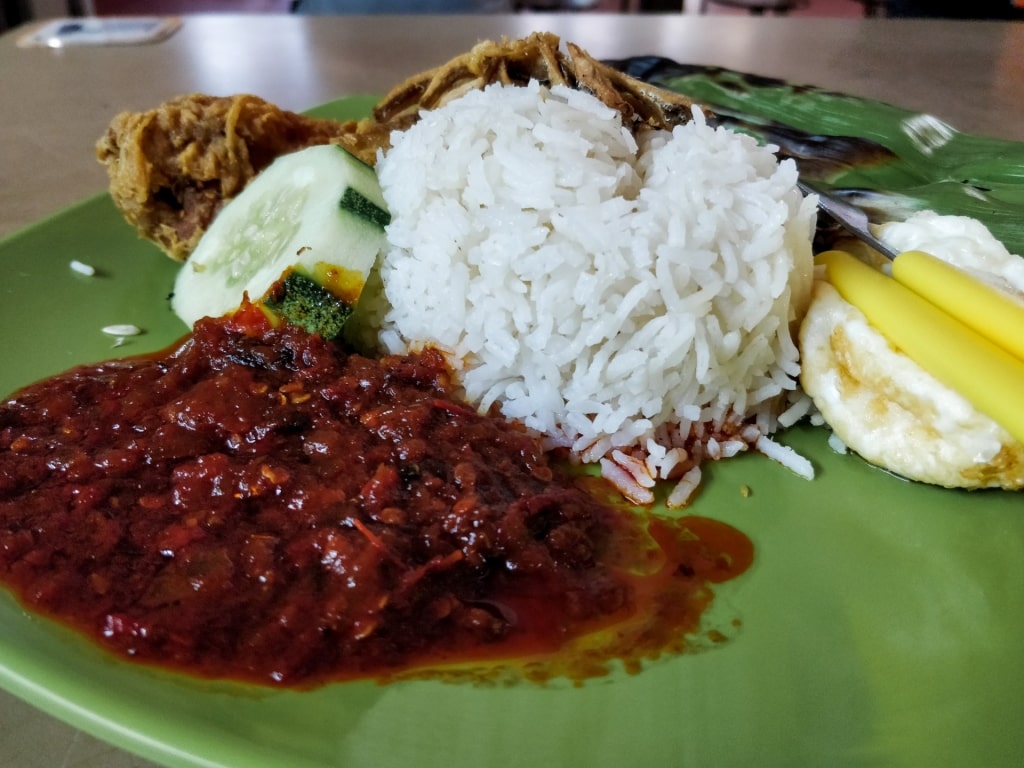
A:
{"x": 56, "y": 102}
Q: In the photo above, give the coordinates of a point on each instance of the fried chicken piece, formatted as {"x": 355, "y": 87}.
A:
{"x": 172, "y": 168}
{"x": 537, "y": 57}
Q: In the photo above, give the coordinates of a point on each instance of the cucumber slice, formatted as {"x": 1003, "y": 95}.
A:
{"x": 317, "y": 214}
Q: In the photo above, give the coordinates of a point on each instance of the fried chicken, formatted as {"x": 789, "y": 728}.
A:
{"x": 172, "y": 168}
{"x": 537, "y": 57}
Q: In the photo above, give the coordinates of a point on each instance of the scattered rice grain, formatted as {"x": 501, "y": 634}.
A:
{"x": 684, "y": 490}
{"x": 121, "y": 330}
{"x": 836, "y": 443}
{"x": 785, "y": 456}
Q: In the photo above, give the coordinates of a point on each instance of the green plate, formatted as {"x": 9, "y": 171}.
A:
{"x": 880, "y": 623}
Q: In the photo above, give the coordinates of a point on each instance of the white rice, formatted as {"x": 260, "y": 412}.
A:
{"x": 631, "y": 303}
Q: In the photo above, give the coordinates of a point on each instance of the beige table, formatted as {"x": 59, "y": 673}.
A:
{"x": 55, "y": 103}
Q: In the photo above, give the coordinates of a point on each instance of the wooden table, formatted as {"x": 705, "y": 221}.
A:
{"x": 56, "y": 102}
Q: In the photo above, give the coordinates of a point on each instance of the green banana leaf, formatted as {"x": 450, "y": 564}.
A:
{"x": 888, "y": 160}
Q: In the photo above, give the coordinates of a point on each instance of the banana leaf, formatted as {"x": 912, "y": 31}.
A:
{"x": 888, "y": 160}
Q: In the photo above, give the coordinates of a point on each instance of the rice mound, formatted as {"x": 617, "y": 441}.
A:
{"x": 631, "y": 302}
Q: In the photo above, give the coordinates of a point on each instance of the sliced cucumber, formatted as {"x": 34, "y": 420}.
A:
{"x": 300, "y": 240}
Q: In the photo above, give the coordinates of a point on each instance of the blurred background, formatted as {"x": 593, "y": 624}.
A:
{"x": 15, "y": 12}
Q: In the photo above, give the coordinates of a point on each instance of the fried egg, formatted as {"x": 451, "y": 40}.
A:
{"x": 883, "y": 405}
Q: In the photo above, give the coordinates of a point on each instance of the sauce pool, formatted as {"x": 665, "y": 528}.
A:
{"x": 259, "y": 504}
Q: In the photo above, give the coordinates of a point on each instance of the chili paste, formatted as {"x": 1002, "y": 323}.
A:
{"x": 258, "y": 503}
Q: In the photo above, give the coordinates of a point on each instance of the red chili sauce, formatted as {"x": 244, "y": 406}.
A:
{"x": 259, "y": 504}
